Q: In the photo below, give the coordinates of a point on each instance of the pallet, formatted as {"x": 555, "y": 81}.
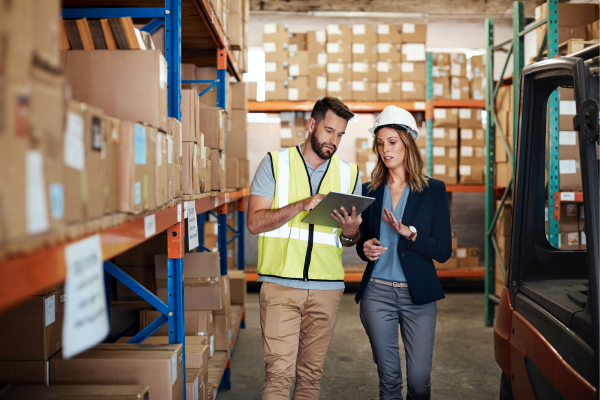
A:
{"x": 237, "y": 313}
{"x": 216, "y": 371}
{"x": 572, "y": 45}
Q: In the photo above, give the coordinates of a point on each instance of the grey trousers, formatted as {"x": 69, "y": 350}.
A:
{"x": 382, "y": 309}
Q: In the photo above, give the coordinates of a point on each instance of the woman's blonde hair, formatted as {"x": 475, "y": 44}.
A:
{"x": 413, "y": 163}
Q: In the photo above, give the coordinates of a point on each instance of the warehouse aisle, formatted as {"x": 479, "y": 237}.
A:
{"x": 463, "y": 366}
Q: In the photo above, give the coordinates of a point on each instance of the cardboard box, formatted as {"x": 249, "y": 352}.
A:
{"x": 339, "y": 71}
{"x": 470, "y": 118}
{"x": 111, "y": 142}
{"x": 413, "y": 71}
{"x": 364, "y": 91}
{"x": 198, "y": 266}
{"x": 458, "y": 65}
{"x": 389, "y": 91}
{"x": 189, "y": 111}
{"x": 441, "y": 59}
{"x": 568, "y": 145}
{"x": 211, "y": 122}
{"x": 413, "y": 52}
{"x": 298, "y": 88}
{"x": 190, "y": 169}
{"x": 445, "y": 136}
{"x": 467, "y": 257}
{"x": 478, "y": 67}
{"x": 197, "y": 349}
{"x": 572, "y": 19}
{"x": 593, "y": 32}
{"x": 296, "y": 42}
{"x": 413, "y": 91}
{"x": 33, "y": 330}
{"x": 570, "y": 175}
{"x": 413, "y": 33}
{"x": 454, "y": 239}
{"x": 471, "y": 174}
{"x": 504, "y": 98}
{"x": 237, "y": 143}
{"x": 161, "y": 168}
{"x": 316, "y": 41}
{"x": 364, "y": 52}
{"x": 233, "y": 172}
{"x": 478, "y": 86}
{"x": 569, "y": 217}
{"x": 446, "y": 173}
{"x": 77, "y": 392}
{"x": 195, "y": 384}
{"x": 156, "y": 366}
{"x": 130, "y": 85}
{"x": 197, "y": 324}
{"x": 218, "y": 170}
{"x": 252, "y": 90}
{"x": 388, "y": 33}
{"x": 445, "y": 117}
{"x": 24, "y": 372}
{"x": 450, "y": 264}
{"x": 339, "y": 51}
{"x": 339, "y": 89}
{"x": 298, "y": 63}
{"x": 389, "y": 52}
{"x": 444, "y": 155}
{"x": 362, "y": 33}
{"x": 472, "y": 137}
{"x": 460, "y": 88}
{"x": 441, "y": 88}
{"x": 275, "y": 33}
{"x": 170, "y": 165}
{"x": 237, "y": 281}
{"x": 364, "y": 71}
{"x": 388, "y": 71}
{"x": 244, "y": 173}
{"x": 472, "y": 155}
{"x": 276, "y": 90}
{"x": 223, "y": 332}
{"x": 240, "y": 95}
{"x": 175, "y": 129}
{"x": 568, "y": 241}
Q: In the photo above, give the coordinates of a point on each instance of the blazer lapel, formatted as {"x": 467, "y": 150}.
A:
{"x": 413, "y": 198}
{"x": 378, "y": 210}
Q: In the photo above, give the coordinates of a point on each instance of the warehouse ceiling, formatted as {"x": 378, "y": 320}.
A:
{"x": 426, "y": 8}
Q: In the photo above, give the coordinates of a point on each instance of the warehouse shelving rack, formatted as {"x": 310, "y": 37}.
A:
{"x": 517, "y": 44}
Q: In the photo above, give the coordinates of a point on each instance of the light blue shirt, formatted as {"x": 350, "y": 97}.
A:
{"x": 263, "y": 185}
{"x": 389, "y": 267}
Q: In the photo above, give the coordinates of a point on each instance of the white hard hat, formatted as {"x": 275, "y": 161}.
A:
{"x": 396, "y": 117}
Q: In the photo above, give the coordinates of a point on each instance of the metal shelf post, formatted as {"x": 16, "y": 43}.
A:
{"x": 241, "y": 231}
{"x": 173, "y": 56}
{"x": 222, "y": 226}
{"x": 552, "y": 120}
{"x": 429, "y": 121}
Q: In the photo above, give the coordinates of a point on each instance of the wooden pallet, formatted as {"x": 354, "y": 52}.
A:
{"x": 237, "y": 312}
{"x": 572, "y": 45}
{"x": 216, "y": 368}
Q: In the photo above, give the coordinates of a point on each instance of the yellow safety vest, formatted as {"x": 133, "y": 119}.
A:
{"x": 298, "y": 250}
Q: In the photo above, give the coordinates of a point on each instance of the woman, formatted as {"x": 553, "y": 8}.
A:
{"x": 407, "y": 226}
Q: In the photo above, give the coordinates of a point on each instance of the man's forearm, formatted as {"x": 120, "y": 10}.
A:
{"x": 269, "y": 220}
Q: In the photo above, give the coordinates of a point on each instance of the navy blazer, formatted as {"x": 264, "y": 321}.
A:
{"x": 427, "y": 211}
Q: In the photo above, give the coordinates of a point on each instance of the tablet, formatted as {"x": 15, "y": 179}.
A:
{"x": 321, "y": 214}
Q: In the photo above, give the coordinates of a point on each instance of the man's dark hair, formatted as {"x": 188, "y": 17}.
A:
{"x": 330, "y": 103}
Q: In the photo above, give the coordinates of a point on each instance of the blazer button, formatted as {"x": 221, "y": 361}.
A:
{"x": 402, "y": 254}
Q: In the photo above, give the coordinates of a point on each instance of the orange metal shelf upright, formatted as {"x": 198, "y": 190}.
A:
{"x": 28, "y": 274}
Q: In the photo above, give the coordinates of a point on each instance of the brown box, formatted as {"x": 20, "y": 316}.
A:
{"x": 298, "y": 88}
{"x": 388, "y": 33}
{"x": 389, "y": 91}
{"x": 339, "y": 89}
{"x": 388, "y": 71}
{"x": 446, "y": 173}
{"x": 190, "y": 169}
{"x": 450, "y": 264}
{"x": 592, "y": 33}
{"x": 470, "y": 118}
{"x": 364, "y": 71}
{"x": 413, "y": 91}
{"x": 445, "y": 155}
{"x": 364, "y": 52}
{"x": 77, "y": 392}
{"x": 471, "y": 174}
{"x": 32, "y": 331}
{"x": 337, "y": 32}
{"x": 472, "y": 155}
{"x": 389, "y": 52}
{"x": 233, "y": 172}
{"x": 569, "y": 217}
{"x": 445, "y": 136}
{"x": 211, "y": 122}
{"x": 276, "y": 90}
{"x": 339, "y": 71}
{"x": 413, "y": 71}
{"x": 460, "y": 88}
{"x": 240, "y": 95}
{"x": 504, "y": 223}
{"x": 275, "y": 33}
{"x": 237, "y": 281}
{"x": 95, "y": 131}
{"x": 472, "y": 137}
{"x": 244, "y": 173}
{"x": 362, "y": 33}
{"x": 195, "y": 384}
{"x": 316, "y": 41}
{"x": 478, "y": 67}
{"x": 298, "y": 64}
{"x": 296, "y": 42}
{"x": 175, "y": 128}
{"x": 161, "y": 169}
{"x": 222, "y": 332}
{"x": 413, "y": 52}
{"x": 413, "y": 33}
{"x": 198, "y": 266}
{"x": 238, "y": 120}
{"x": 454, "y": 239}
{"x": 276, "y": 70}
{"x": 441, "y": 59}
{"x": 441, "y": 88}
{"x": 478, "y": 88}
{"x": 197, "y": 324}
{"x": 445, "y": 117}
{"x": 503, "y": 174}
{"x": 339, "y": 51}
{"x": 467, "y": 257}
{"x": 218, "y": 170}
{"x": 568, "y": 241}
{"x": 130, "y": 85}
{"x": 237, "y": 143}
{"x": 24, "y": 372}
{"x": 458, "y": 65}
{"x": 189, "y": 113}
{"x": 157, "y": 366}
{"x": 568, "y": 145}
{"x": 197, "y": 348}
{"x": 570, "y": 175}
{"x": 572, "y": 19}
{"x": 364, "y": 91}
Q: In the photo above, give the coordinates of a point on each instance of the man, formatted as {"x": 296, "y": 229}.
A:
{"x": 299, "y": 264}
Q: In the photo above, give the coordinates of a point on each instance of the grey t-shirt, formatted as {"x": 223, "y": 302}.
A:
{"x": 263, "y": 185}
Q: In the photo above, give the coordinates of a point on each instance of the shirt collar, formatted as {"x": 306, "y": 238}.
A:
{"x": 321, "y": 167}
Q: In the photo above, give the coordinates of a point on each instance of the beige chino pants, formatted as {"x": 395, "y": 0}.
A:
{"x": 297, "y": 325}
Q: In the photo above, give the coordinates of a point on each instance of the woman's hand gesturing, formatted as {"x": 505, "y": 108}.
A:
{"x": 395, "y": 224}
{"x": 372, "y": 250}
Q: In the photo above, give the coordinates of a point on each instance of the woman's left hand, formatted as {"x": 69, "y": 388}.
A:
{"x": 395, "y": 224}
{"x": 349, "y": 223}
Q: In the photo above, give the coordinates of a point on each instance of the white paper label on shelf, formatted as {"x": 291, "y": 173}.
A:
{"x": 335, "y": 68}
{"x": 86, "y": 319}
{"x": 359, "y": 29}
{"x": 383, "y": 29}
{"x": 439, "y": 113}
{"x": 439, "y": 169}
{"x": 270, "y": 86}
{"x": 567, "y": 108}
{"x": 35, "y": 193}
{"x": 461, "y": 253}
{"x": 333, "y": 29}
{"x": 466, "y": 134}
{"x": 173, "y": 369}
{"x": 196, "y": 389}
{"x": 464, "y": 170}
{"x": 360, "y": 67}
{"x": 293, "y": 48}
{"x": 321, "y": 82}
{"x": 216, "y": 204}
{"x": 407, "y": 67}
{"x": 455, "y": 94}
{"x": 567, "y": 167}
{"x": 293, "y": 94}
{"x": 334, "y": 86}
{"x": 408, "y": 28}
{"x": 414, "y": 51}
{"x": 333, "y": 47}
{"x": 192, "y": 225}
{"x": 169, "y": 149}
{"x": 466, "y": 151}
{"x": 439, "y": 151}
{"x": 270, "y": 28}
{"x": 383, "y": 87}
{"x": 567, "y": 196}
{"x": 438, "y": 90}
{"x": 149, "y": 225}
{"x": 408, "y": 86}
{"x": 583, "y": 238}
{"x": 285, "y": 133}
{"x": 322, "y": 59}
{"x": 464, "y": 113}
{"x": 50, "y": 309}
{"x": 358, "y": 48}
{"x": 179, "y": 212}
{"x": 419, "y": 105}
{"x": 383, "y": 66}
{"x": 439, "y": 133}
{"x": 455, "y": 69}
{"x": 270, "y": 66}
{"x": 74, "y": 149}
{"x": 320, "y": 36}
{"x": 567, "y": 138}
{"x": 358, "y": 86}
{"x": 384, "y": 48}
{"x": 269, "y": 47}
{"x": 294, "y": 70}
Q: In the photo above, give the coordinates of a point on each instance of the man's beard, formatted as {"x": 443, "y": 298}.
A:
{"x": 319, "y": 148}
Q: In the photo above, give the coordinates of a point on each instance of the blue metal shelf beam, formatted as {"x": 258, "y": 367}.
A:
{"x": 76, "y": 13}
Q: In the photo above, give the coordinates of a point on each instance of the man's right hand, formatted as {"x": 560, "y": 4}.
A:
{"x": 311, "y": 202}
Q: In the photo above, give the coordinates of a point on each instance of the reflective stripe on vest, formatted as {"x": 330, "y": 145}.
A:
{"x": 297, "y": 250}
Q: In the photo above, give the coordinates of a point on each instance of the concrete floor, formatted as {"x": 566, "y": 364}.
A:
{"x": 463, "y": 359}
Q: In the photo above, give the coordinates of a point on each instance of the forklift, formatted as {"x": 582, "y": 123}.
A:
{"x": 546, "y": 333}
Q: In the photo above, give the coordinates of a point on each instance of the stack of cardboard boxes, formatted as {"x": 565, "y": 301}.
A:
{"x": 293, "y": 129}
{"x": 504, "y": 112}
{"x": 569, "y": 167}
{"x": 412, "y": 68}
{"x": 471, "y": 162}
{"x": 275, "y": 46}
{"x": 445, "y": 145}
{"x": 450, "y": 77}
{"x": 196, "y": 164}
{"x": 503, "y": 233}
{"x": 316, "y": 43}
{"x": 238, "y": 30}
{"x": 365, "y": 158}
{"x": 238, "y": 165}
